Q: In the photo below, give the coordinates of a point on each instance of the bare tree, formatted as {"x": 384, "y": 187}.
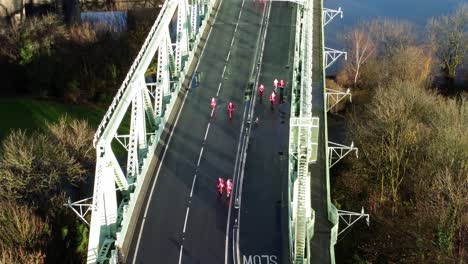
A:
{"x": 390, "y": 35}
{"x": 21, "y": 227}
{"x": 360, "y": 48}
{"x": 74, "y": 135}
{"x": 20, "y": 255}
{"x": 34, "y": 167}
{"x": 449, "y": 35}
{"x": 411, "y": 63}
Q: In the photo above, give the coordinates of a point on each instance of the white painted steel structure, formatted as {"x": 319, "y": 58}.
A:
{"x": 332, "y": 55}
{"x": 350, "y": 218}
{"x": 334, "y": 97}
{"x": 330, "y": 14}
{"x": 301, "y": 142}
{"x": 337, "y": 151}
{"x": 146, "y": 106}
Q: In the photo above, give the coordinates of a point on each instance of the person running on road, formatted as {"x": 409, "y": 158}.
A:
{"x": 220, "y": 185}
{"x": 272, "y": 99}
{"x": 281, "y": 83}
{"x": 261, "y": 89}
{"x": 213, "y": 103}
{"x": 230, "y": 109}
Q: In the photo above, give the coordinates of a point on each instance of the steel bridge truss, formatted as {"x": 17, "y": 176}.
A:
{"x": 135, "y": 120}
{"x": 303, "y": 139}
{"x": 83, "y": 206}
{"x": 330, "y": 14}
{"x": 337, "y": 151}
{"x": 350, "y": 218}
{"x": 334, "y": 97}
{"x": 332, "y": 55}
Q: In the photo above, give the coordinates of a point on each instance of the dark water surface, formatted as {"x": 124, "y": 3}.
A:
{"x": 415, "y": 11}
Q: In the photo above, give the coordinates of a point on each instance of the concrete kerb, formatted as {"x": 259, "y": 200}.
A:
{"x": 158, "y": 149}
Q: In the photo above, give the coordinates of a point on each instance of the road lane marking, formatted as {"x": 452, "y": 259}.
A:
{"x": 180, "y": 253}
{"x": 193, "y": 185}
{"x": 260, "y": 259}
{"x": 232, "y": 42}
{"x": 199, "y": 157}
{"x": 208, "y": 127}
{"x": 219, "y": 87}
{"x": 224, "y": 69}
{"x": 186, "y": 217}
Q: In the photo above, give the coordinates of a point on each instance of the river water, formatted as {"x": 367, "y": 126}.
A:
{"x": 415, "y": 11}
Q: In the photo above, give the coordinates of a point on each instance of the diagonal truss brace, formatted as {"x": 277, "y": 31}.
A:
{"x": 350, "y": 218}
{"x": 337, "y": 151}
{"x": 84, "y": 207}
{"x": 331, "y": 55}
{"x": 330, "y": 14}
{"x": 334, "y": 97}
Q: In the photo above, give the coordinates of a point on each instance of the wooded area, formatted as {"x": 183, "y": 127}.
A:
{"x": 409, "y": 118}
{"x": 41, "y": 168}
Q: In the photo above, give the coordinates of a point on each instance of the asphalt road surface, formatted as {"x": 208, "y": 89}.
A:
{"x": 263, "y": 221}
{"x": 187, "y": 220}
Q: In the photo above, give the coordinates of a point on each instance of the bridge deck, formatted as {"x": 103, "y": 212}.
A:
{"x": 185, "y": 210}
{"x": 205, "y": 221}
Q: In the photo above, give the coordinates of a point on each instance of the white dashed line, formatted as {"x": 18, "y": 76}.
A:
{"x": 199, "y": 157}
{"x": 232, "y": 42}
{"x": 180, "y": 254}
{"x": 224, "y": 70}
{"x": 208, "y": 127}
{"x": 193, "y": 185}
{"x": 219, "y": 88}
{"x": 186, "y": 217}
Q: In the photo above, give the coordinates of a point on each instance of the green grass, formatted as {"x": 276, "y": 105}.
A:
{"x": 32, "y": 114}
